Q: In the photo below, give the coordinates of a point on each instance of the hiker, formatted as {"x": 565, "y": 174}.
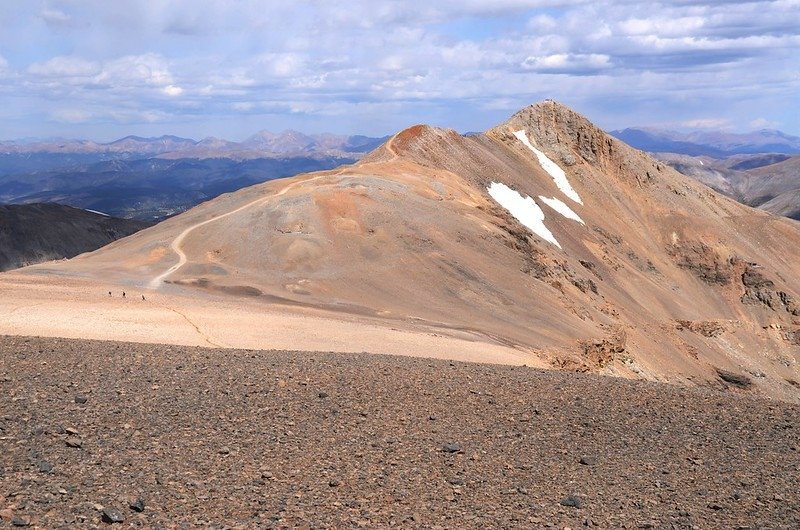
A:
{"x": 109, "y": 293}
{"x": 143, "y": 298}
{"x": 123, "y": 294}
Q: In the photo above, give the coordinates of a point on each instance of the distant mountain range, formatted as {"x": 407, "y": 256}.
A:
{"x": 153, "y": 178}
{"x": 717, "y": 144}
{"x": 264, "y": 144}
{"x": 760, "y": 169}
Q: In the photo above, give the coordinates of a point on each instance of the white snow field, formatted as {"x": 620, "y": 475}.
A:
{"x": 561, "y": 208}
{"x": 559, "y": 177}
{"x": 524, "y": 209}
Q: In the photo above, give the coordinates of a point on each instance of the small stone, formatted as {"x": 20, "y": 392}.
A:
{"x": 112, "y": 515}
{"x": 333, "y": 483}
{"x": 457, "y": 481}
{"x": 74, "y": 441}
{"x": 588, "y": 460}
{"x": 451, "y": 448}
{"x": 225, "y": 451}
{"x": 20, "y": 521}
{"x": 137, "y": 505}
{"x": 81, "y": 399}
{"x": 322, "y": 395}
{"x": 45, "y": 467}
{"x": 72, "y": 431}
{"x": 572, "y": 501}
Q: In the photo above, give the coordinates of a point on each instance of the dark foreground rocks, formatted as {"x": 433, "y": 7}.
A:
{"x": 242, "y": 439}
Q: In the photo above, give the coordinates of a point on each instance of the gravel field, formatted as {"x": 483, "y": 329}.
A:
{"x": 106, "y": 434}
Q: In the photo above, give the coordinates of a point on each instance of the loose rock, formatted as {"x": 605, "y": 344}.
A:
{"x": 112, "y": 515}
{"x": 74, "y": 441}
{"x": 451, "y": 448}
{"x": 572, "y": 501}
{"x": 137, "y": 505}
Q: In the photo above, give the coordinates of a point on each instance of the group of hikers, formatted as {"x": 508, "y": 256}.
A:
{"x": 123, "y": 295}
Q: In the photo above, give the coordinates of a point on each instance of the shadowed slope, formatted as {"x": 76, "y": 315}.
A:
{"x": 33, "y": 233}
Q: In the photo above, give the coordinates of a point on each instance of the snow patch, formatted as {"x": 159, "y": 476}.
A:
{"x": 559, "y": 177}
{"x": 561, "y": 208}
{"x": 98, "y": 213}
{"x": 524, "y": 209}
{"x": 701, "y": 162}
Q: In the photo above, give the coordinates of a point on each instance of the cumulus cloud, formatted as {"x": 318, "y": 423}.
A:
{"x": 65, "y": 67}
{"x": 568, "y": 63}
{"x": 71, "y": 115}
{"x": 463, "y": 63}
{"x": 172, "y": 90}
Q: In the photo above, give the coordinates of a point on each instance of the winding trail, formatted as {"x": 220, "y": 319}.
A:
{"x": 156, "y": 282}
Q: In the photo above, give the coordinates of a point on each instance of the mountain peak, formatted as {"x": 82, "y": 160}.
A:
{"x": 557, "y": 128}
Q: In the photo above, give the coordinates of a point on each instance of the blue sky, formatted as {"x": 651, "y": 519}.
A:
{"x": 102, "y": 69}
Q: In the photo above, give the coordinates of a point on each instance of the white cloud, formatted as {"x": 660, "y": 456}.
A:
{"x": 71, "y": 116}
{"x": 452, "y": 62}
{"x": 172, "y": 90}
{"x": 707, "y": 123}
{"x": 65, "y": 67}
{"x": 136, "y": 70}
{"x": 763, "y": 123}
{"x": 568, "y": 63}
{"x": 55, "y": 17}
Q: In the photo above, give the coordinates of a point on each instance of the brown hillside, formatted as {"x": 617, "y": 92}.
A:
{"x": 661, "y": 278}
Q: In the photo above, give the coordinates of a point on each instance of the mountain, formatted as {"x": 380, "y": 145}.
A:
{"x": 766, "y": 181}
{"x": 717, "y": 144}
{"x": 129, "y": 145}
{"x": 151, "y": 188}
{"x": 786, "y": 204}
{"x": 153, "y": 178}
{"x": 264, "y": 144}
{"x": 758, "y": 169}
{"x": 294, "y": 142}
{"x": 543, "y": 241}
{"x": 34, "y": 233}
